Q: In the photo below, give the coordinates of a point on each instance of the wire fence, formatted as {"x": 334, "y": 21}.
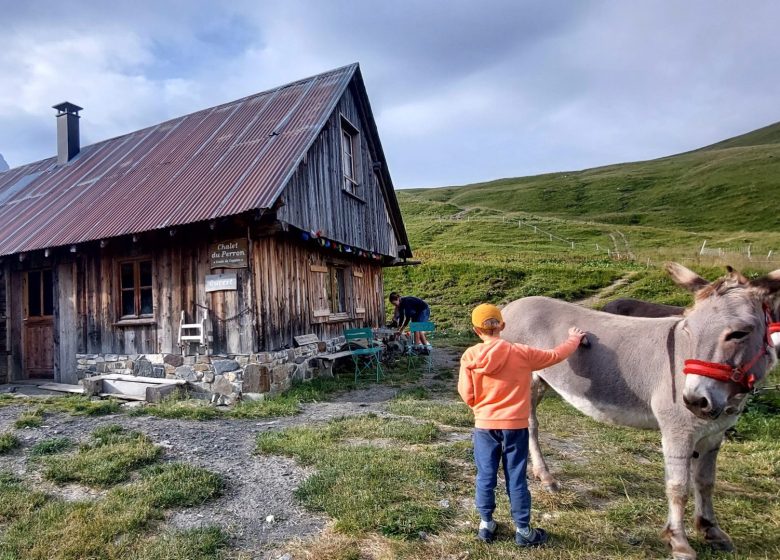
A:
{"x": 619, "y": 248}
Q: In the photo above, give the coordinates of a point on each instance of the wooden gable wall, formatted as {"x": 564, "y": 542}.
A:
{"x": 315, "y": 200}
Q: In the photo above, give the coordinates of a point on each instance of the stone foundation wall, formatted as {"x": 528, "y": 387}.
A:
{"x": 224, "y": 377}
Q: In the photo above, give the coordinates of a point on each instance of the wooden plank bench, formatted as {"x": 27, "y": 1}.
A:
{"x": 326, "y": 361}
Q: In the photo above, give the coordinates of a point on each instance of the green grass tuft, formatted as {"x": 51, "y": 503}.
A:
{"x": 77, "y": 405}
{"x": 319, "y": 388}
{"x": 108, "y": 460}
{"x": 16, "y": 500}
{"x": 451, "y": 414}
{"x": 51, "y": 447}
{"x": 30, "y": 419}
{"x": 282, "y": 405}
{"x": 412, "y": 394}
{"x": 179, "y": 485}
{"x": 112, "y": 527}
{"x": 206, "y": 543}
{"x": 8, "y": 442}
{"x": 367, "y": 486}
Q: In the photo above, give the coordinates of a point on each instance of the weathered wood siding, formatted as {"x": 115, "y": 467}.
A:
{"x": 314, "y": 199}
{"x": 281, "y": 294}
{"x": 86, "y": 298}
{"x": 179, "y": 270}
{"x": 289, "y": 276}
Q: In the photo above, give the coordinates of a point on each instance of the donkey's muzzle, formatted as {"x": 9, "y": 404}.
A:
{"x": 702, "y": 407}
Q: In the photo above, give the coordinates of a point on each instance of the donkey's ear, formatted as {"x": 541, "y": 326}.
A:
{"x": 685, "y": 277}
{"x": 736, "y": 276}
{"x": 769, "y": 284}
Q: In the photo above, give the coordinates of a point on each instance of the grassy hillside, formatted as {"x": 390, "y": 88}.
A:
{"x": 732, "y": 185}
{"x": 766, "y": 135}
{"x": 571, "y": 235}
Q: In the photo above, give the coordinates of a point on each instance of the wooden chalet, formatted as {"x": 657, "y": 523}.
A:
{"x": 272, "y": 215}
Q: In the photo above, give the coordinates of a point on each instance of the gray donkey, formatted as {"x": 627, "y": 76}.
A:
{"x": 688, "y": 376}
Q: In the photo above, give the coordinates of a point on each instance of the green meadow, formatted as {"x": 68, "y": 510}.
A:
{"x": 571, "y": 235}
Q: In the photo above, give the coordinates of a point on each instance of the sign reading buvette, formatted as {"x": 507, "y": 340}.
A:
{"x": 221, "y": 282}
{"x": 228, "y": 254}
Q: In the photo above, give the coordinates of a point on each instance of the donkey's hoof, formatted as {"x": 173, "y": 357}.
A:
{"x": 723, "y": 545}
{"x": 548, "y": 480}
{"x": 715, "y": 537}
{"x": 681, "y": 550}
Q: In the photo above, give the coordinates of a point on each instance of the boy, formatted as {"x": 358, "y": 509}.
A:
{"x": 495, "y": 381}
{"x": 410, "y": 308}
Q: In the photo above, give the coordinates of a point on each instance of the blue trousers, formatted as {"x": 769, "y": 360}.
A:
{"x": 510, "y": 447}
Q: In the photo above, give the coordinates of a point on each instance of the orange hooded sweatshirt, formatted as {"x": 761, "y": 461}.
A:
{"x": 495, "y": 380}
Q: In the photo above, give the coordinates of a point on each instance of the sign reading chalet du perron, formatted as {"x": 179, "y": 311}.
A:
{"x": 228, "y": 254}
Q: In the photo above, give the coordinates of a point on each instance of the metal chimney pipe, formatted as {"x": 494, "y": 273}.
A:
{"x": 68, "y": 141}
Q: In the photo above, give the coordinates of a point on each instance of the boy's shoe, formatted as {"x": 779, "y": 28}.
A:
{"x": 529, "y": 537}
{"x": 486, "y": 530}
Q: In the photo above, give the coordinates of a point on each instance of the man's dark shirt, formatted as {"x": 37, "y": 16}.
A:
{"x": 410, "y": 307}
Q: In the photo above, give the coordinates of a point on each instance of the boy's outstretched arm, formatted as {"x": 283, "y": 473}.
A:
{"x": 540, "y": 359}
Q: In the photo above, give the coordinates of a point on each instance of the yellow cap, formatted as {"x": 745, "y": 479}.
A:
{"x": 484, "y": 312}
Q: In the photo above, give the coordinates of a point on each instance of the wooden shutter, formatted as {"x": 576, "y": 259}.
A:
{"x": 318, "y": 293}
{"x": 358, "y": 291}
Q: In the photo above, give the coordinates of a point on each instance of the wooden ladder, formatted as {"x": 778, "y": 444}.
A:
{"x": 193, "y": 332}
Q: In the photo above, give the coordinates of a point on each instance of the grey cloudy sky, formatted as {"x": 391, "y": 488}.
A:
{"x": 462, "y": 91}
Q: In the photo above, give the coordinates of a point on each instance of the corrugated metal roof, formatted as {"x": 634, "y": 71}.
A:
{"x": 217, "y": 162}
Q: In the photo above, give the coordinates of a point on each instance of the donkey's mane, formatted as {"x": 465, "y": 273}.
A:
{"x": 719, "y": 287}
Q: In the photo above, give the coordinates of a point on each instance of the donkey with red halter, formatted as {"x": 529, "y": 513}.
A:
{"x": 686, "y": 376}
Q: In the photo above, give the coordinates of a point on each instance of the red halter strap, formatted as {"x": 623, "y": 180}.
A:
{"x": 771, "y": 326}
{"x": 737, "y": 374}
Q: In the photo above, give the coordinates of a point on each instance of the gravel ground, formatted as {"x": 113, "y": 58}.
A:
{"x": 258, "y": 486}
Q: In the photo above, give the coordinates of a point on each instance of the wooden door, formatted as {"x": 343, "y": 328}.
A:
{"x": 39, "y": 324}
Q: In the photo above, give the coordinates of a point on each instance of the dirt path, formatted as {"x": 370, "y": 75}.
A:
{"x": 598, "y": 297}
{"x": 258, "y": 486}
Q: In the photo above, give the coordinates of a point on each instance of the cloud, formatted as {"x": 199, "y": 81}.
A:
{"x": 462, "y": 91}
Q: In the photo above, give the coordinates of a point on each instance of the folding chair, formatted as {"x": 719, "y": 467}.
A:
{"x": 193, "y": 332}
{"x": 426, "y": 327}
{"x": 366, "y": 359}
